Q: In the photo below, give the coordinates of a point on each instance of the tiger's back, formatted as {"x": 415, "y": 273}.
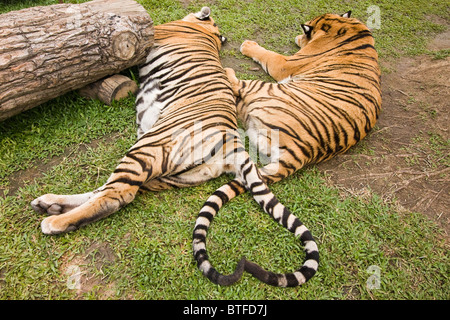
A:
{"x": 186, "y": 100}
{"x": 180, "y": 78}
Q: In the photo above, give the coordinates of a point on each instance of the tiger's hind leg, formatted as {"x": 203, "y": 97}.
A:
{"x": 99, "y": 206}
{"x": 138, "y": 166}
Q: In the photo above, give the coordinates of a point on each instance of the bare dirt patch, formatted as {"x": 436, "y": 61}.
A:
{"x": 84, "y": 273}
{"x": 21, "y": 178}
{"x": 186, "y": 3}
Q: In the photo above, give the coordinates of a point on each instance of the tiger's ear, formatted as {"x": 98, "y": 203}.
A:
{"x": 203, "y": 14}
{"x": 347, "y": 14}
{"x": 307, "y": 30}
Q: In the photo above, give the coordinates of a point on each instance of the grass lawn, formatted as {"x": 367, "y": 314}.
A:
{"x": 71, "y": 145}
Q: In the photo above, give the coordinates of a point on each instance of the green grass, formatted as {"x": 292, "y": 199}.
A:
{"x": 37, "y": 135}
{"x": 71, "y": 145}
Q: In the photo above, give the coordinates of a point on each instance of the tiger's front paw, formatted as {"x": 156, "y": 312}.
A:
{"x": 56, "y": 225}
{"x": 248, "y": 47}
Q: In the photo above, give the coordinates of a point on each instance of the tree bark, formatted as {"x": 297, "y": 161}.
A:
{"x": 48, "y": 51}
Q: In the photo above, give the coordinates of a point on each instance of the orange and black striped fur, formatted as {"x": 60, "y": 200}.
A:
{"x": 186, "y": 114}
{"x": 327, "y": 98}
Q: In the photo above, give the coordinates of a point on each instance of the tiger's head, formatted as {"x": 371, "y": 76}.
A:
{"x": 327, "y": 28}
{"x": 203, "y": 19}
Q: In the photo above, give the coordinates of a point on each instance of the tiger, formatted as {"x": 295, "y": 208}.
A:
{"x": 187, "y": 134}
{"x": 326, "y": 99}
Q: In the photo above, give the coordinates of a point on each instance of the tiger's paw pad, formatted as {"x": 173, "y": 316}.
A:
{"x": 46, "y": 204}
{"x": 53, "y": 225}
{"x": 247, "y": 47}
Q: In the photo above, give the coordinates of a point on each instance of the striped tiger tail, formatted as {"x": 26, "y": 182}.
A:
{"x": 251, "y": 180}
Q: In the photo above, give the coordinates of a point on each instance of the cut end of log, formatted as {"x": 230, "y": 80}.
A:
{"x": 124, "y": 89}
{"x": 125, "y": 45}
{"x": 109, "y": 89}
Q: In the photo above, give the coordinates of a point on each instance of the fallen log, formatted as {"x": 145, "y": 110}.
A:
{"x": 48, "y": 51}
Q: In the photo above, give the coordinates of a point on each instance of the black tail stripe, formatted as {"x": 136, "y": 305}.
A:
{"x": 306, "y": 236}
{"x": 291, "y": 280}
{"x": 200, "y": 237}
{"x": 307, "y": 272}
{"x": 206, "y": 215}
{"x": 270, "y": 205}
{"x": 237, "y": 187}
{"x": 200, "y": 227}
{"x": 201, "y": 256}
{"x": 223, "y": 196}
{"x": 260, "y": 193}
{"x": 297, "y": 223}
{"x": 313, "y": 255}
{"x": 213, "y": 205}
{"x": 285, "y": 217}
